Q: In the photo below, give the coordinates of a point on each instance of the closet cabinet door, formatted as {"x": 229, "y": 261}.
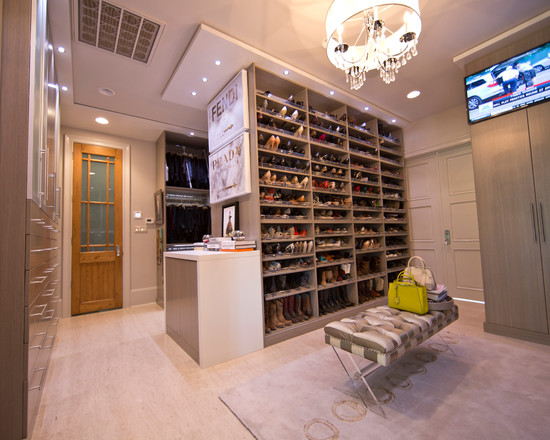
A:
{"x": 510, "y": 255}
{"x": 539, "y": 131}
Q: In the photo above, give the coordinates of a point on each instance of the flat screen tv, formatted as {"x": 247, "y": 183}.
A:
{"x": 515, "y": 83}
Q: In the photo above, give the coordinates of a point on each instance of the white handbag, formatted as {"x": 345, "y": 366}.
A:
{"x": 422, "y": 274}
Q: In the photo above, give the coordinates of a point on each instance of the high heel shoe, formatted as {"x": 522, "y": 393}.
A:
{"x": 266, "y": 177}
{"x": 269, "y": 144}
{"x": 294, "y": 115}
{"x": 283, "y": 111}
{"x": 294, "y": 180}
{"x": 304, "y": 182}
{"x": 276, "y": 144}
{"x": 300, "y": 130}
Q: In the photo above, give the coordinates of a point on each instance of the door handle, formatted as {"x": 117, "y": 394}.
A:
{"x": 533, "y": 217}
{"x": 117, "y": 247}
{"x": 447, "y": 240}
{"x": 542, "y": 224}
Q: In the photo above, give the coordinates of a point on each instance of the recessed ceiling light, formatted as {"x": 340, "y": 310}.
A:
{"x": 217, "y": 62}
{"x": 50, "y": 47}
{"x": 366, "y": 108}
{"x": 64, "y": 88}
{"x": 332, "y": 92}
{"x": 61, "y": 49}
{"x": 101, "y": 121}
{"x": 286, "y": 72}
{"x": 192, "y": 133}
{"x": 394, "y": 121}
{"x": 106, "y": 91}
{"x": 204, "y": 79}
{"x": 413, "y": 94}
{"x": 194, "y": 93}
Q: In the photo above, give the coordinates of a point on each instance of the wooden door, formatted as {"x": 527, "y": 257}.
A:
{"x": 460, "y": 234}
{"x": 96, "y": 229}
{"x": 539, "y": 131}
{"x": 510, "y": 254}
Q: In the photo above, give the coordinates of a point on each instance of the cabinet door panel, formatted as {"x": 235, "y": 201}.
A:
{"x": 511, "y": 262}
{"x": 539, "y": 131}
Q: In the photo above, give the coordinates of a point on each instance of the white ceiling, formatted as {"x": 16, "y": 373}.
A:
{"x": 276, "y": 35}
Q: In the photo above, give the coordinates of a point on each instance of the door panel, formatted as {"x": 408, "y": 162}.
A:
{"x": 512, "y": 271}
{"x": 539, "y": 131}
{"x": 97, "y": 229}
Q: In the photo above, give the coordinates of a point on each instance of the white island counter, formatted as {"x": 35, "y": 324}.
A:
{"x": 213, "y": 303}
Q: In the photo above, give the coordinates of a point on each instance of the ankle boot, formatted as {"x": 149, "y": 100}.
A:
{"x": 291, "y": 315}
{"x": 328, "y": 275}
{"x": 298, "y": 308}
{"x": 273, "y": 315}
{"x": 322, "y": 308}
{"x": 306, "y": 305}
{"x": 280, "y": 313}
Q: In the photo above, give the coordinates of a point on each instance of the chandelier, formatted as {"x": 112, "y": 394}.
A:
{"x": 363, "y": 35}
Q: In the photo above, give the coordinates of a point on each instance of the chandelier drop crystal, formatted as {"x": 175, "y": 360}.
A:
{"x": 363, "y": 35}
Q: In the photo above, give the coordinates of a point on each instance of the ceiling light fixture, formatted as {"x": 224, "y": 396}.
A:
{"x": 192, "y": 133}
{"x": 286, "y": 72}
{"x": 61, "y": 49}
{"x": 331, "y": 92}
{"x": 366, "y": 108}
{"x": 204, "y": 79}
{"x": 64, "y": 88}
{"x": 363, "y": 35}
{"x": 194, "y": 93}
{"x": 413, "y": 94}
{"x": 102, "y": 121}
{"x": 217, "y": 62}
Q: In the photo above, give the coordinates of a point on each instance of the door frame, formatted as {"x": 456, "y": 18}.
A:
{"x": 68, "y": 142}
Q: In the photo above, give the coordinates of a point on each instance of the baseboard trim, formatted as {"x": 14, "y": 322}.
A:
{"x": 145, "y": 295}
{"x": 517, "y": 333}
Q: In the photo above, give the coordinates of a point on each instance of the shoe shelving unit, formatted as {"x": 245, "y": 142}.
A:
{"x": 332, "y": 207}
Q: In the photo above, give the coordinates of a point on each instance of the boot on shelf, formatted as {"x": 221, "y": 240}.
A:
{"x": 273, "y": 315}
{"x": 323, "y": 281}
{"x": 268, "y": 323}
{"x": 344, "y": 297}
{"x": 298, "y": 308}
{"x": 286, "y": 313}
{"x": 280, "y": 313}
{"x": 306, "y": 305}
{"x": 291, "y": 312}
{"x": 322, "y": 302}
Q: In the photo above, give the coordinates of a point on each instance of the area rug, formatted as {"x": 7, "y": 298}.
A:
{"x": 475, "y": 390}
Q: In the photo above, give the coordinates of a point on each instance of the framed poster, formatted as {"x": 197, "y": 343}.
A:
{"x": 230, "y": 219}
{"x": 228, "y": 112}
{"x": 230, "y": 170}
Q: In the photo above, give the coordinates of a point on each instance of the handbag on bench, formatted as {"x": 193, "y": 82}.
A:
{"x": 406, "y": 294}
{"x": 422, "y": 274}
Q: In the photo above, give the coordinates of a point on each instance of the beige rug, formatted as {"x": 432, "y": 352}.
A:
{"x": 486, "y": 391}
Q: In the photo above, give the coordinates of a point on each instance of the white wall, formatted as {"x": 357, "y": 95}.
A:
{"x": 438, "y": 132}
{"x": 140, "y": 281}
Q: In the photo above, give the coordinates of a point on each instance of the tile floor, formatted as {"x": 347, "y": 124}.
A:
{"x": 117, "y": 375}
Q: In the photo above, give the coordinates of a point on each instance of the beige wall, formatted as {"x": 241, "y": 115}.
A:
{"x": 139, "y": 277}
{"x": 438, "y": 132}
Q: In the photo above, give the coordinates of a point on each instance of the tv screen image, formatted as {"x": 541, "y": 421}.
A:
{"x": 515, "y": 83}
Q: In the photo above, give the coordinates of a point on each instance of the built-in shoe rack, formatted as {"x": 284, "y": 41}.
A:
{"x": 334, "y": 229}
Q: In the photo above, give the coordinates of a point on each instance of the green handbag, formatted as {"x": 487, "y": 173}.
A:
{"x": 405, "y": 294}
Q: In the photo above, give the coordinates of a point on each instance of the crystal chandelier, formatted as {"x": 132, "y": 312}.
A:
{"x": 367, "y": 34}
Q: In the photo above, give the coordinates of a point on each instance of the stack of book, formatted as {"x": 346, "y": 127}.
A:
{"x": 238, "y": 245}
{"x": 438, "y": 294}
{"x": 439, "y": 299}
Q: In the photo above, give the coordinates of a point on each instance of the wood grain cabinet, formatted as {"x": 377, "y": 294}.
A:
{"x": 511, "y": 161}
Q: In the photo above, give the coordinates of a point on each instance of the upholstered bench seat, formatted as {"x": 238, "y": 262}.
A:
{"x": 383, "y": 334}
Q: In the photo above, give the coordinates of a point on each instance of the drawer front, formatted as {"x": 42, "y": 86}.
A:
{"x": 41, "y": 278}
{"x": 42, "y": 249}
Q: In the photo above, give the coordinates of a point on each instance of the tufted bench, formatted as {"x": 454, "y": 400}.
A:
{"x": 382, "y": 335}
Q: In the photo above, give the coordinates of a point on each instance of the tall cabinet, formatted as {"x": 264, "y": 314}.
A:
{"x": 511, "y": 161}
{"x": 331, "y": 203}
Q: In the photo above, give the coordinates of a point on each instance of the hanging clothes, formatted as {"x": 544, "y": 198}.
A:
{"x": 187, "y": 171}
{"x": 187, "y": 224}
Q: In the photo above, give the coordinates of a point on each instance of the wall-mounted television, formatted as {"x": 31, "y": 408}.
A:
{"x": 515, "y": 83}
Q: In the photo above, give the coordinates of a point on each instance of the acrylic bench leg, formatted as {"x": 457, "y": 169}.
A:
{"x": 361, "y": 374}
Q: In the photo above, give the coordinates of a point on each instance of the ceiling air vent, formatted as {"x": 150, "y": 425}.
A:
{"x": 108, "y": 26}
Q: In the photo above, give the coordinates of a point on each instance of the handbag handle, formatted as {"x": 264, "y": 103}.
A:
{"x": 418, "y": 258}
{"x": 406, "y": 277}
